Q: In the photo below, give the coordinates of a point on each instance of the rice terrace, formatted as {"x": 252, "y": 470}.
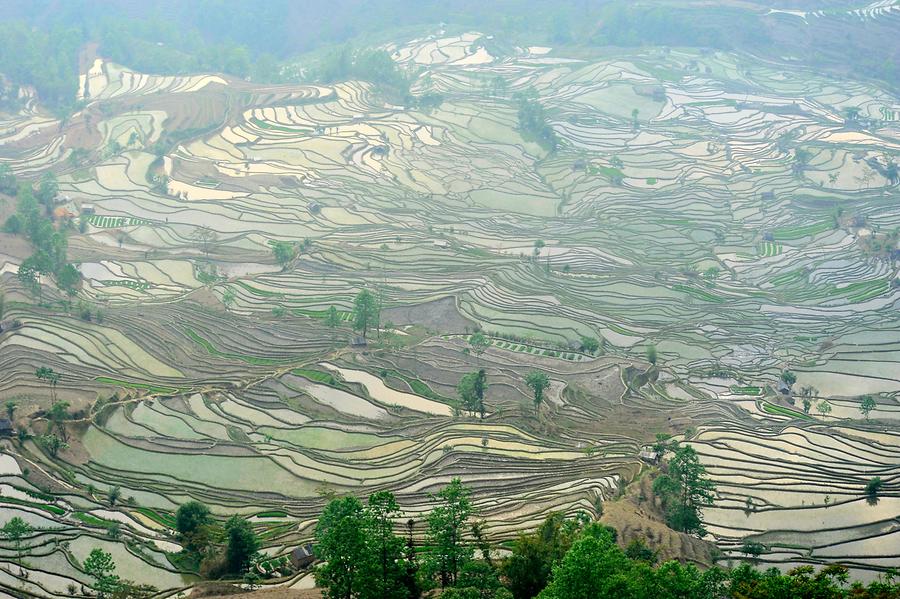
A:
{"x": 446, "y": 250}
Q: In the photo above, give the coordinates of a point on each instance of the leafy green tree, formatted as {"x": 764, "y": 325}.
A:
{"x": 450, "y": 552}
{"x": 789, "y": 378}
{"x": 538, "y": 382}
{"x": 285, "y": 252}
{"x": 684, "y": 491}
{"x": 14, "y": 530}
{"x": 366, "y": 311}
{"x": 192, "y": 520}
{"x": 242, "y": 545}
{"x": 651, "y": 354}
{"x": 873, "y": 488}
{"x": 533, "y": 556}
{"x": 823, "y": 407}
{"x": 638, "y": 550}
{"x": 866, "y": 405}
{"x": 478, "y": 343}
{"x": 48, "y": 189}
{"x": 8, "y": 184}
{"x": 332, "y": 321}
{"x": 10, "y": 409}
{"x": 206, "y": 238}
{"x": 52, "y": 444}
{"x": 52, "y": 377}
{"x": 100, "y": 566}
{"x": 58, "y": 414}
{"x": 386, "y": 578}
{"x": 67, "y": 279}
{"x": 471, "y": 389}
{"x": 590, "y": 345}
{"x": 343, "y": 546}
{"x": 114, "y": 494}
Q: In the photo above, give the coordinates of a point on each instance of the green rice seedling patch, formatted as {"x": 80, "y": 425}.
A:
{"x": 112, "y": 222}
{"x": 737, "y": 390}
{"x": 768, "y": 249}
{"x": 793, "y": 276}
{"x": 209, "y": 347}
{"x": 162, "y": 519}
{"x": 129, "y": 283}
{"x": 260, "y": 292}
{"x": 865, "y": 290}
{"x": 698, "y": 293}
{"x": 53, "y": 509}
{"x": 790, "y": 233}
{"x": 317, "y": 376}
{"x": 344, "y": 316}
{"x": 607, "y": 172}
{"x": 782, "y": 411}
{"x": 151, "y": 388}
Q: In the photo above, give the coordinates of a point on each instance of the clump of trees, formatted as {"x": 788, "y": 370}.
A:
{"x": 50, "y": 244}
{"x": 563, "y": 559}
{"x": 684, "y": 490}
{"x": 217, "y": 550}
{"x": 534, "y": 124}
{"x": 471, "y": 389}
{"x": 366, "y": 312}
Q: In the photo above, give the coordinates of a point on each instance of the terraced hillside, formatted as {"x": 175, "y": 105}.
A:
{"x": 737, "y": 215}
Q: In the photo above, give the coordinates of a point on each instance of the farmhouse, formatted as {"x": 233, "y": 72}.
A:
{"x": 6, "y": 428}
{"x": 302, "y": 557}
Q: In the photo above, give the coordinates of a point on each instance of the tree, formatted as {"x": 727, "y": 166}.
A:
{"x": 479, "y": 342}
{"x": 651, "y": 354}
{"x": 638, "y": 550}
{"x": 332, "y": 320}
{"x": 52, "y": 444}
{"x": 538, "y": 382}
{"x": 52, "y": 377}
{"x": 341, "y": 543}
{"x": 387, "y": 549}
{"x": 14, "y": 530}
{"x": 114, "y": 494}
{"x": 446, "y": 523}
{"x": 471, "y": 389}
{"x": 229, "y": 297}
{"x": 48, "y": 189}
{"x": 206, "y": 238}
{"x": 192, "y": 520}
{"x": 10, "y": 409}
{"x": 873, "y": 488}
{"x": 8, "y": 184}
{"x": 866, "y": 405}
{"x": 100, "y": 566}
{"x": 242, "y": 545}
{"x": 58, "y": 414}
{"x": 590, "y": 345}
{"x": 538, "y": 246}
{"x": 533, "y": 556}
{"x": 68, "y": 278}
{"x": 789, "y": 378}
{"x": 366, "y": 311}
{"x": 824, "y": 407}
{"x": 753, "y": 549}
{"x": 684, "y": 491}
{"x": 285, "y": 252}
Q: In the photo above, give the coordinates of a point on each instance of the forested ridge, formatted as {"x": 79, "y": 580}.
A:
{"x": 40, "y": 46}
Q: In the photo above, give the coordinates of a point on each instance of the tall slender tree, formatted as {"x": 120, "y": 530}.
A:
{"x": 446, "y": 524}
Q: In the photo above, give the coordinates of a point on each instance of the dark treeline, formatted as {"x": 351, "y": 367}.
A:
{"x": 576, "y": 558}
{"x": 39, "y": 40}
